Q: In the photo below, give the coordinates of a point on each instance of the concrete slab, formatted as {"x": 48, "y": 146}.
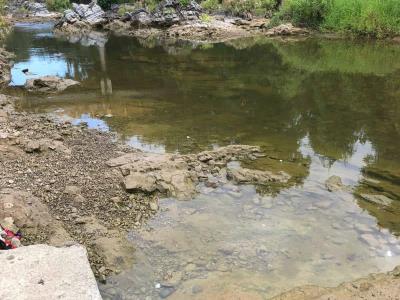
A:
{"x": 44, "y": 272}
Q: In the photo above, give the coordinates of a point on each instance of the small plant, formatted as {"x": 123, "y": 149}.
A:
{"x": 58, "y": 5}
{"x": 205, "y": 18}
{"x": 184, "y": 2}
{"x": 211, "y": 4}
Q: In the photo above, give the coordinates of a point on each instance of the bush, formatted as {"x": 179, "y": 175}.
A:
{"x": 310, "y": 13}
{"x": 369, "y": 17}
{"x": 378, "y": 18}
{"x": 211, "y": 4}
{"x": 259, "y": 7}
{"x": 58, "y": 5}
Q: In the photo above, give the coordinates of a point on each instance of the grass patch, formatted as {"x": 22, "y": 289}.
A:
{"x": 236, "y": 7}
{"x": 379, "y": 18}
{"x": 369, "y": 17}
{"x": 58, "y": 5}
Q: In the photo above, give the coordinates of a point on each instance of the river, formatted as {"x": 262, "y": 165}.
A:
{"x": 317, "y": 107}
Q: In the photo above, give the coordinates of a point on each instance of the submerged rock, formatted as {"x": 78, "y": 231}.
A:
{"x": 243, "y": 175}
{"x": 334, "y": 183}
{"x": 49, "y": 84}
{"x": 177, "y": 175}
{"x": 45, "y": 272}
{"x": 377, "y": 199}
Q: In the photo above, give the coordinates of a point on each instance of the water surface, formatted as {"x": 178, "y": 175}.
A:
{"x": 317, "y": 107}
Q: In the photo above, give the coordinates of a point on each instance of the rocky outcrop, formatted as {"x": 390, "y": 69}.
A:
{"x": 29, "y": 9}
{"x": 45, "y": 272}
{"x": 177, "y": 175}
{"x": 82, "y": 15}
{"x": 49, "y": 84}
{"x": 167, "y": 13}
{"x": 5, "y": 66}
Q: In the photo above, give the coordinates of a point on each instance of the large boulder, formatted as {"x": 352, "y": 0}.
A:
{"x": 167, "y": 13}
{"x": 45, "y": 272}
{"x": 49, "y": 84}
{"x": 36, "y": 9}
{"x": 91, "y": 14}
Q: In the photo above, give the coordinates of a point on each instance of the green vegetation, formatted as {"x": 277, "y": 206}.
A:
{"x": 372, "y": 17}
{"x": 184, "y": 2}
{"x": 309, "y": 13}
{"x": 377, "y": 18}
{"x": 58, "y": 5}
{"x": 257, "y": 7}
{"x": 205, "y": 18}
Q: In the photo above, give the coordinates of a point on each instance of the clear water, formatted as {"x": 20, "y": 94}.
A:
{"x": 317, "y": 107}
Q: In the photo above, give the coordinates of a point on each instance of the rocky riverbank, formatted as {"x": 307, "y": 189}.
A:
{"x": 170, "y": 20}
{"x": 64, "y": 184}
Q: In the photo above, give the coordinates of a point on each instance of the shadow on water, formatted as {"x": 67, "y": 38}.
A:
{"x": 317, "y": 107}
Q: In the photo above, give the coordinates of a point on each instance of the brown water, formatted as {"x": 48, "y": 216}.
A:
{"x": 317, "y": 107}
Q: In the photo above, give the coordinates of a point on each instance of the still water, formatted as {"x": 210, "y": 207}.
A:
{"x": 317, "y": 107}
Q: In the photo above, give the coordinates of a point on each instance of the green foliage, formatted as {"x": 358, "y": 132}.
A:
{"x": 370, "y": 17}
{"x": 260, "y": 6}
{"x": 211, "y": 5}
{"x": 309, "y": 13}
{"x": 367, "y": 17}
{"x": 240, "y": 6}
{"x": 184, "y": 2}
{"x": 106, "y": 4}
{"x": 205, "y": 18}
{"x": 58, "y": 5}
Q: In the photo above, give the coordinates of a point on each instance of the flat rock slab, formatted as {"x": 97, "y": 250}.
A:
{"x": 45, "y": 272}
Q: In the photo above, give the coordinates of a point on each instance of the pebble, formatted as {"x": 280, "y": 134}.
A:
{"x": 166, "y": 292}
{"x": 196, "y": 289}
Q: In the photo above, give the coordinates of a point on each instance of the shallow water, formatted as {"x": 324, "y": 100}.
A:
{"x": 317, "y": 107}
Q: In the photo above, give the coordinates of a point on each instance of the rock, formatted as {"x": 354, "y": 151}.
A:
{"x": 139, "y": 18}
{"x": 171, "y": 12}
{"x": 153, "y": 206}
{"x": 115, "y": 250}
{"x": 37, "y": 9}
{"x": 334, "y": 183}
{"x": 370, "y": 240}
{"x": 243, "y": 175}
{"x": 377, "y": 199}
{"x": 30, "y": 215}
{"x": 140, "y": 181}
{"x": 72, "y": 190}
{"x": 49, "y": 84}
{"x": 45, "y": 272}
{"x": 174, "y": 175}
{"x": 91, "y": 14}
{"x": 166, "y": 291}
{"x": 286, "y": 29}
{"x": 196, "y": 289}
{"x": 32, "y": 146}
